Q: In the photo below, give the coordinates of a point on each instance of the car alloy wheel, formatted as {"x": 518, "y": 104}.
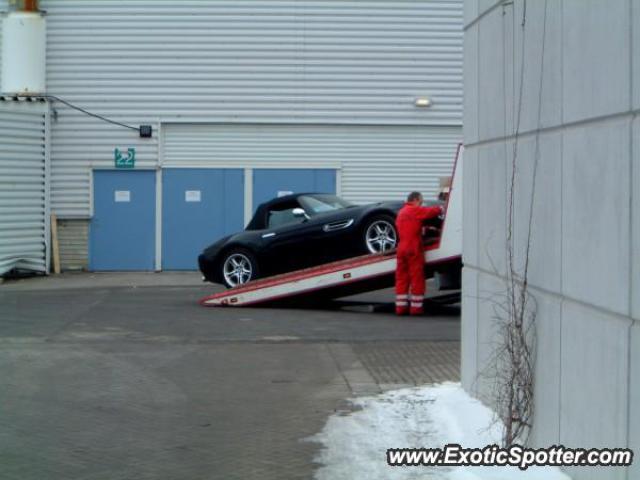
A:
{"x": 380, "y": 236}
{"x": 237, "y": 269}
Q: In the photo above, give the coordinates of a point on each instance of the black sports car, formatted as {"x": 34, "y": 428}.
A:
{"x": 299, "y": 231}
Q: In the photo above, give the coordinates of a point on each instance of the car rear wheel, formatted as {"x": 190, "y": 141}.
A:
{"x": 239, "y": 267}
{"x": 380, "y": 234}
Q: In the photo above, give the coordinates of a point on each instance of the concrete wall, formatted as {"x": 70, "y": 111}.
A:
{"x": 578, "y": 116}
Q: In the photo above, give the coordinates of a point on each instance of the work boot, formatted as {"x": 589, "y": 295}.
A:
{"x": 416, "y": 304}
{"x": 402, "y": 304}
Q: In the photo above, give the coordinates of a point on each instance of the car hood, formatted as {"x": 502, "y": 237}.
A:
{"x": 393, "y": 206}
{"x": 397, "y": 205}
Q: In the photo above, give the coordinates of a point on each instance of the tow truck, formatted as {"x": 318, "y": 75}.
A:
{"x": 443, "y": 258}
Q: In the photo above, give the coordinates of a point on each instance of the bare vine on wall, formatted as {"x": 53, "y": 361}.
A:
{"x": 511, "y": 367}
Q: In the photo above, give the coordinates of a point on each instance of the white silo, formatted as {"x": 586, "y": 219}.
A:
{"x": 24, "y": 51}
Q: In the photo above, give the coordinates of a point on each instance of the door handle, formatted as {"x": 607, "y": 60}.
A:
{"x": 268, "y": 235}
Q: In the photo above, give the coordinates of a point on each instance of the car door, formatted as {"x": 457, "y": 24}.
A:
{"x": 335, "y": 237}
{"x": 289, "y": 242}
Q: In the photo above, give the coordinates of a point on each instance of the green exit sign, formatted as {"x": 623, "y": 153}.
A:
{"x": 125, "y": 159}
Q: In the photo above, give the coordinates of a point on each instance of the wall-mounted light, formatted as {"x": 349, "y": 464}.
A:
{"x": 423, "y": 102}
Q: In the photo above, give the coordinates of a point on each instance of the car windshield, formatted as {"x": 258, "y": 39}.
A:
{"x": 322, "y": 203}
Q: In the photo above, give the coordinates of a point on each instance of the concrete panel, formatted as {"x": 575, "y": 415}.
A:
{"x": 596, "y": 48}
{"x": 635, "y": 222}
{"x": 469, "y": 329}
{"x": 594, "y": 375}
{"x": 634, "y": 400}
{"x": 470, "y": 11}
{"x": 485, "y": 5}
{"x": 546, "y": 429}
{"x": 491, "y": 95}
{"x": 542, "y": 82}
{"x": 492, "y": 189}
{"x": 635, "y": 45}
{"x": 541, "y": 226}
{"x": 508, "y": 25}
{"x": 470, "y": 122}
{"x": 595, "y": 214}
{"x": 470, "y": 208}
{"x": 491, "y": 298}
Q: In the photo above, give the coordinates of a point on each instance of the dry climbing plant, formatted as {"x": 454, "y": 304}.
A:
{"x": 512, "y": 365}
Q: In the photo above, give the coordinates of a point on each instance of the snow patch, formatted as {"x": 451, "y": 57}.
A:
{"x": 355, "y": 445}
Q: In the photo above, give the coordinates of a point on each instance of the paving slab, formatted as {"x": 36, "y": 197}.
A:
{"x": 116, "y": 377}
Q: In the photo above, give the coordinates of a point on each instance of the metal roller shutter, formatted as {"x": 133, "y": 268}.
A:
{"x": 24, "y": 186}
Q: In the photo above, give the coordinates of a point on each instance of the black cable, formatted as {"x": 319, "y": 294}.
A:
{"x": 91, "y": 114}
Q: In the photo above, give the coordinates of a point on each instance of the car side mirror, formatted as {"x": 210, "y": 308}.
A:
{"x": 300, "y": 213}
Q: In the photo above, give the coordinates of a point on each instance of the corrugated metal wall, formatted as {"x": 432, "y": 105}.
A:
{"x": 376, "y": 162}
{"x": 24, "y": 186}
{"x": 317, "y": 62}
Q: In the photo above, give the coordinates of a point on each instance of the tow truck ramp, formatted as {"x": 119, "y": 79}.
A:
{"x": 355, "y": 275}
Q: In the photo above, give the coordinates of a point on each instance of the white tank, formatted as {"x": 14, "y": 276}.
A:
{"x": 24, "y": 53}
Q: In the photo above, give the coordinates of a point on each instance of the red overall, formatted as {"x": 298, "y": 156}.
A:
{"x": 410, "y": 286}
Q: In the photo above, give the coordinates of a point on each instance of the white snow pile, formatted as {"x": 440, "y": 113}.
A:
{"x": 355, "y": 445}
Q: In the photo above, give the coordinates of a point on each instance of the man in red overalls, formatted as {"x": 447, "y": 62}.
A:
{"x": 410, "y": 286}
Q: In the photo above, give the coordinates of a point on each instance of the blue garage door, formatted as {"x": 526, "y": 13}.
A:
{"x": 199, "y": 206}
{"x": 271, "y": 183}
{"x": 122, "y": 231}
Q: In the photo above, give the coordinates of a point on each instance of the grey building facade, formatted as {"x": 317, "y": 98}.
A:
{"x": 577, "y": 119}
{"x": 261, "y": 87}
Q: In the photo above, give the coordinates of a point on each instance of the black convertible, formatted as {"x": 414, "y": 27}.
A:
{"x": 299, "y": 231}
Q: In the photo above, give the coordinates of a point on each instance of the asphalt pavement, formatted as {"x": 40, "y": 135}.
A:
{"x": 125, "y": 376}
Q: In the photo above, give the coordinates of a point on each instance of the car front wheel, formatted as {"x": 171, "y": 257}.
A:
{"x": 380, "y": 234}
{"x": 239, "y": 266}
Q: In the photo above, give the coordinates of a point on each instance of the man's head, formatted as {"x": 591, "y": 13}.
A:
{"x": 415, "y": 198}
